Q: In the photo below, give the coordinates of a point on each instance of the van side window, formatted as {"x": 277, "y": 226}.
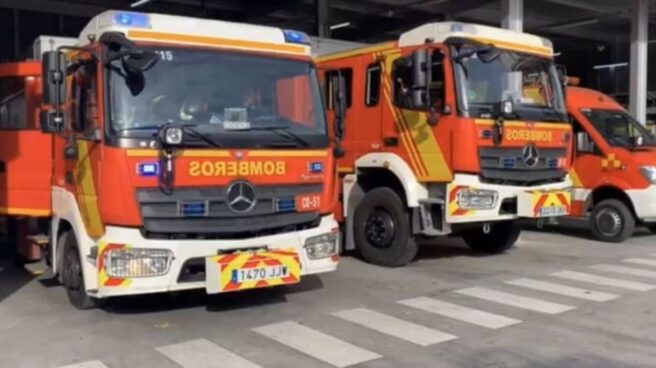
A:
{"x": 13, "y": 114}
{"x": 347, "y": 73}
{"x": 85, "y": 99}
{"x": 372, "y": 87}
{"x": 402, "y": 81}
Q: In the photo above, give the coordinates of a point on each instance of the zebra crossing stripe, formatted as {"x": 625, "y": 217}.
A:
{"x": 460, "y": 313}
{"x": 605, "y": 281}
{"x": 574, "y": 292}
{"x": 532, "y": 304}
{"x": 204, "y": 353}
{"x": 625, "y": 270}
{"x": 89, "y": 364}
{"x": 641, "y": 261}
{"x": 316, "y": 344}
{"x": 404, "y": 330}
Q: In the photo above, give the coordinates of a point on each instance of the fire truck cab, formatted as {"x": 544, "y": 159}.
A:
{"x": 614, "y": 170}
{"x": 452, "y": 129}
{"x": 164, "y": 153}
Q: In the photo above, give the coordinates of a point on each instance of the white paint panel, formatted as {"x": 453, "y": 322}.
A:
{"x": 89, "y": 364}
{"x": 574, "y": 292}
{"x": 532, "y": 304}
{"x": 460, "y": 313}
{"x": 641, "y": 261}
{"x": 316, "y": 344}
{"x": 204, "y": 354}
{"x": 625, "y": 270}
{"x": 605, "y": 281}
{"x": 395, "y": 327}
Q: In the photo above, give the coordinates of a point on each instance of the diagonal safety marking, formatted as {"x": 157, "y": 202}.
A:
{"x": 532, "y": 304}
{"x": 605, "y": 281}
{"x": 574, "y": 292}
{"x": 460, "y": 313}
{"x": 316, "y": 344}
{"x": 404, "y": 330}
{"x": 89, "y": 364}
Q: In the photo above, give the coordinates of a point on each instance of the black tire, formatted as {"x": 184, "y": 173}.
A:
{"x": 502, "y": 236}
{"x": 651, "y": 227}
{"x": 72, "y": 274}
{"x": 382, "y": 229}
{"x": 612, "y": 221}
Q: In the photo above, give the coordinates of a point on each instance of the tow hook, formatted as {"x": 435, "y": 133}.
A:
{"x": 539, "y": 224}
{"x": 487, "y": 228}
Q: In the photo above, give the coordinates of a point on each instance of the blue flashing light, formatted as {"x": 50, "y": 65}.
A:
{"x": 553, "y": 163}
{"x": 292, "y": 36}
{"x": 316, "y": 167}
{"x": 130, "y": 19}
{"x": 486, "y": 134}
{"x": 507, "y": 162}
{"x": 148, "y": 169}
{"x": 286, "y": 204}
{"x": 193, "y": 209}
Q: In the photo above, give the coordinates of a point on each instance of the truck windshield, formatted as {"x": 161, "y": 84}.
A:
{"x": 531, "y": 82}
{"x": 618, "y": 128}
{"x": 237, "y": 99}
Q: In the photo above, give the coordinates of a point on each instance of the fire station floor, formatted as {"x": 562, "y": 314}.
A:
{"x": 557, "y": 300}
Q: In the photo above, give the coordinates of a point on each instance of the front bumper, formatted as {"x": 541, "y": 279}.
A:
{"x": 644, "y": 203}
{"x": 187, "y": 250}
{"x": 512, "y": 202}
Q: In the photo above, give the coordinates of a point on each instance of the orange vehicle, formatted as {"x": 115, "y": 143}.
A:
{"x": 173, "y": 154}
{"x": 453, "y": 129}
{"x": 614, "y": 170}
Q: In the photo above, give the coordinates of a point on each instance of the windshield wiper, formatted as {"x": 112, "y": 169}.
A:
{"x": 283, "y": 131}
{"x": 192, "y": 132}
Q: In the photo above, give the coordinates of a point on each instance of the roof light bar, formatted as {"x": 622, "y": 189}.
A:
{"x": 131, "y": 19}
{"x": 292, "y": 36}
{"x": 339, "y": 25}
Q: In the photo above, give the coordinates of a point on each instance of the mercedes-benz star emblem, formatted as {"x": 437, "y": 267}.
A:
{"x": 241, "y": 197}
{"x": 531, "y": 155}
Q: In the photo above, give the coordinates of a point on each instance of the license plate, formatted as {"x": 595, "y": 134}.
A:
{"x": 553, "y": 211}
{"x": 259, "y": 273}
{"x": 252, "y": 270}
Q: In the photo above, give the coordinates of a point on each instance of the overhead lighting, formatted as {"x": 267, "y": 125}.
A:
{"x": 139, "y": 3}
{"x": 556, "y": 54}
{"x": 574, "y": 24}
{"x": 339, "y": 25}
{"x": 610, "y": 66}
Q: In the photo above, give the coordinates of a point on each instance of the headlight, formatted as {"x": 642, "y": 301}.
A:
{"x": 173, "y": 136}
{"x": 321, "y": 246}
{"x": 649, "y": 173}
{"x": 473, "y": 199}
{"x": 136, "y": 262}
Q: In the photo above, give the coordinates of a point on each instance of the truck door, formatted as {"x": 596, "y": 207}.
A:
{"x": 77, "y": 151}
{"x": 25, "y": 152}
{"x": 586, "y": 168}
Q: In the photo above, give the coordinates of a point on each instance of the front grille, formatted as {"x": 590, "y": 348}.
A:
{"x": 164, "y": 216}
{"x": 506, "y": 166}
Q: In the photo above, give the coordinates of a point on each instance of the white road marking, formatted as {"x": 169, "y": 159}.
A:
{"x": 205, "y": 354}
{"x": 536, "y": 305}
{"x": 89, "y": 364}
{"x": 605, "y": 281}
{"x": 458, "y": 312}
{"x": 316, "y": 344}
{"x": 641, "y": 261}
{"x": 625, "y": 270}
{"x": 595, "y": 296}
{"x": 412, "y": 332}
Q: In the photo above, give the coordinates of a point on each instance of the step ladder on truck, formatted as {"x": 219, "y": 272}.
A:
{"x": 163, "y": 153}
{"x": 453, "y": 128}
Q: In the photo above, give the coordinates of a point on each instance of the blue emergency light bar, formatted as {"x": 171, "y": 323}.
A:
{"x": 292, "y": 36}
{"x": 131, "y": 19}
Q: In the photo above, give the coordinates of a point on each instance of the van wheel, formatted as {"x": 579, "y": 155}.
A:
{"x": 72, "y": 274}
{"x": 500, "y": 237}
{"x": 612, "y": 221}
{"x": 382, "y": 229}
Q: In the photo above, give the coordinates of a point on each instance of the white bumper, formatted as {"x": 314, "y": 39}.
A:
{"x": 644, "y": 203}
{"x": 184, "y": 250}
{"x": 456, "y": 215}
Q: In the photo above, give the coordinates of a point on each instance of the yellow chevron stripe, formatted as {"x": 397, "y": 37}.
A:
{"x": 86, "y": 192}
{"x": 576, "y": 181}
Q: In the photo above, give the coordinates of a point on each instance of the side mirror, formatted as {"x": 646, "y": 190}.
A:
{"x": 52, "y": 121}
{"x": 53, "y": 77}
{"x": 635, "y": 142}
{"x": 562, "y": 73}
{"x": 139, "y": 61}
{"x": 339, "y": 103}
{"x": 583, "y": 143}
{"x": 489, "y": 54}
{"x": 420, "y": 78}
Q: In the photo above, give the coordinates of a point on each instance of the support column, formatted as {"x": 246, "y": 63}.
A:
{"x": 323, "y": 18}
{"x": 512, "y": 15}
{"x": 639, "y": 34}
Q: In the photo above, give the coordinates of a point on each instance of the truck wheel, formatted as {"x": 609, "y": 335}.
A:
{"x": 72, "y": 274}
{"x": 382, "y": 229}
{"x": 652, "y": 227}
{"x": 501, "y": 236}
{"x": 612, "y": 221}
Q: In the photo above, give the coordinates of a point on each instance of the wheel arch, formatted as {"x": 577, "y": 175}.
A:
{"x": 608, "y": 192}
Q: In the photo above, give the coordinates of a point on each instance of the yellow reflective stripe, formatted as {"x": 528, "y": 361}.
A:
{"x": 541, "y": 50}
{"x": 17, "y": 211}
{"x": 224, "y": 153}
{"x": 87, "y": 197}
{"x": 358, "y": 51}
{"x": 576, "y": 181}
{"x": 287, "y": 153}
{"x": 428, "y": 147}
{"x": 521, "y": 124}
